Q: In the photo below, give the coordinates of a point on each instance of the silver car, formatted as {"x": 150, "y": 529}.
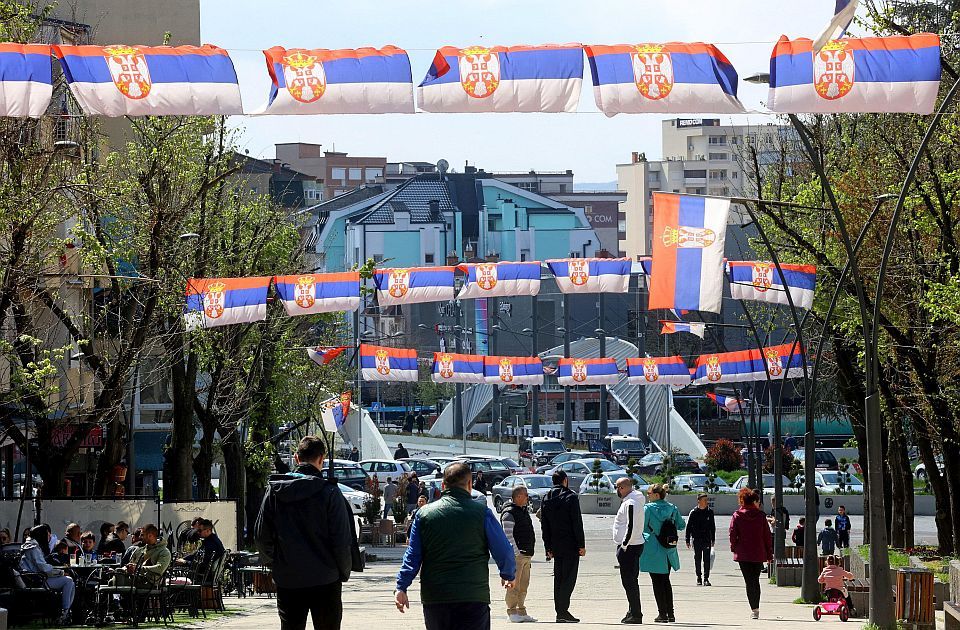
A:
{"x": 537, "y": 486}
{"x": 699, "y": 483}
{"x": 580, "y": 469}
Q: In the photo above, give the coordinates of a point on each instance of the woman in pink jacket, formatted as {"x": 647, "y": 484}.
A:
{"x": 751, "y": 544}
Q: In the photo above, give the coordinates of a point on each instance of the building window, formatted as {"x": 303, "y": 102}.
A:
{"x": 588, "y": 209}
{"x": 719, "y": 156}
{"x": 654, "y": 177}
{"x": 717, "y": 140}
{"x": 373, "y": 174}
{"x": 428, "y": 259}
{"x": 734, "y": 176}
{"x": 356, "y": 174}
{"x": 338, "y": 173}
{"x": 528, "y": 186}
{"x": 378, "y": 258}
{"x": 622, "y": 225}
{"x": 563, "y": 188}
{"x": 702, "y": 174}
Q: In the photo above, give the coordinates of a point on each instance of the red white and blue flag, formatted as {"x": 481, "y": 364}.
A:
{"x": 591, "y": 275}
{"x": 672, "y": 78}
{"x": 502, "y": 279}
{"x": 412, "y": 285}
{"x": 322, "y": 355}
{"x": 223, "y": 301}
{"x": 506, "y": 371}
{"x": 319, "y": 292}
{"x": 729, "y": 403}
{"x": 349, "y": 81}
{"x": 602, "y": 371}
{"x": 503, "y": 79}
{"x": 870, "y": 75}
{"x": 26, "y": 80}
{"x": 776, "y": 362}
{"x": 335, "y": 412}
{"x": 379, "y": 363}
{"x": 657, "y": 371}
{"x": 694, "y": 328}
{"x": 760, "y": 281}
{"x": 126, "y": 80}
{"x": 687, "y": 264}
{"x": 843, "y": 13}
{"x": 449, "y": 367}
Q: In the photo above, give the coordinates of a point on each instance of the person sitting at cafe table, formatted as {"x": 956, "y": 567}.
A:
{"x": 32, "y": 561}
{"x": 148, "y": 562}
{"x": 211, "y": 548}
{"x": 5, "y": 536}
{"x": 136, "y": 541}
{"x": 60, "y": 556}
{"x": 72, "y": 536}
{"x": 111, "y": 539}
{"x": 88, "y": 544}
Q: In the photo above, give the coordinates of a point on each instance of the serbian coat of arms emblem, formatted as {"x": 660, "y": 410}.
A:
{"x": 303, "y": 73}
{"x": 128, "y": 68}
{"x": 652, "y": 71}
{"x": 833, "y": 70}
{"x": 479, "y": 72}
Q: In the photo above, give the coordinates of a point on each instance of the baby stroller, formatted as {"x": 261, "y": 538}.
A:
{"x": 836, "y": 604}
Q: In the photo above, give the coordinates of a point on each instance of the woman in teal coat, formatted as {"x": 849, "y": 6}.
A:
{"x": 656, "y": 559}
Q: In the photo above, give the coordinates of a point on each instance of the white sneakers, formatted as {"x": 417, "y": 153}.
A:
{"x": 515, "y": 618}
{"x": 755, "y": 614}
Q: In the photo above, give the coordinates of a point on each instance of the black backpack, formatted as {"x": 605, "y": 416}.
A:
{"x": 668, "y": 536}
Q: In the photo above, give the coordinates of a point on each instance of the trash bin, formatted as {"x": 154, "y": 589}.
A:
{"x": 915, "y": 598}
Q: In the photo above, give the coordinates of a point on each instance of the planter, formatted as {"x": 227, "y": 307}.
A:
{"x": 858, "y": 566}
{"x": 955, "y": 581}
{"x": 599, "y": 503}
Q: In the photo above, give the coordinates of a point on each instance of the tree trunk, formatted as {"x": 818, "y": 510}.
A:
{"x": 178, "y": 460}
{"x": 951, "y": 464}
{"x": 941, "y": 498}
{"x": 115, "y": 449}
{"x": 902, "y": 479}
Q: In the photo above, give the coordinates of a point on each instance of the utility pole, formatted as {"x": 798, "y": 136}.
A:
{"x": 535, "y": 390}
{"x": 459, "y": 426}
{"x": 602, "y": 333}
{"x": 567, "y": 410}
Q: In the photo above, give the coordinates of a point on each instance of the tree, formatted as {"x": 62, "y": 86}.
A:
{"x": 723, "y": 455}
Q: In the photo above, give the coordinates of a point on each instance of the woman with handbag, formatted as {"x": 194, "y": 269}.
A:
{"x": 751, "y": 544}
{"x": 662, "y": 524}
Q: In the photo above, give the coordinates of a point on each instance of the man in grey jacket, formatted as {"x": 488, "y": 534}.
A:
{"x": 628, "y": 534}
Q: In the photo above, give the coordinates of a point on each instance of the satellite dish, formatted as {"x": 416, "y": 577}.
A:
{"x": 443, "y": 166}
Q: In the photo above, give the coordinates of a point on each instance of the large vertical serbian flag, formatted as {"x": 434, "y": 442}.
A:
{"x": 776, "y": 362}
{"x": 572, "y": 371}
{"x": 873, "y": 74}
{"x": 223, "y": 301}
{"x": 505, "y": 371}
{"x": 591, "y": 275}
{"x": 26, "y": 80}
{"x": 671, "y": 78}
{"x": 761, "y": 282}
{"x": 126, "y": 80}
{"x": 413, "y": 284}
{"x": 449, "y": 367}
{"x": 350, "y": 81}
{"x": 502, "y": 279}
{"x": 687, "y": 264}
{"x": 379, "y": 363}
{"x": 657, "y": 371}
{"x": 503, "y": 79}
{"x": 319, "y": 292}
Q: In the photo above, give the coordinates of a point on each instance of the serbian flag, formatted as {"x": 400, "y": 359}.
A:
{"x": 348, "y": 81}
{"x": 449, "y": 367}
{"x": 322, "y": 355}
{"x": 672, "y": 78}
{"x": 687, "y": 265}
{"x": 223, "y": 301}
{"x": 334, "y": 412}
{"x": 761, "y": 282}
{"x": 379, "y": 363}
{"x": 26, "y": 80}
{"x": 657, "y": 371}
{"x": 694, "y": 328}
{"x": 873, "y": 74}
{"x": 319, "y": 292}
{"x": 729, "y": 403}
{"x": 413, "y": 284}
{"x": 641, "y": 266}
{"x": 601, "y": 371}
{"x": 503, "y": 79}
{"x": 591, "y": 275}
{"x": 843, "y": 13}
{"x": 779, "y": 362}
{"x": 123, "y": 80}
{"x": 505, "y": 371}
{"x": 503, "y": 279}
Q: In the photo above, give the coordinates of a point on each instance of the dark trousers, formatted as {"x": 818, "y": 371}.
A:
{"x": 565, "y": 570}
{"x": 843, "y": 539}
{"x": 459, "y": 616}
{"x": 751, "y": 577}
{"x": 322, "y": 602}
{"x": 629, "y": 561}
{"x": 663, "y": 592}
{"x": 701, "y": 556}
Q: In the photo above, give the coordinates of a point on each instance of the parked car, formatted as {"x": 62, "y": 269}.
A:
{"x": 356, "y": 498}
{"x": 580, "y": 469}
{"x": 435, "y": 488}
{"x": 494, "y": 470}
{"x": 608, "y": 482}
{"x": 350, "y": 474}
{"x": 920, "y": 472}
{"x": 569, "y": 456}
{"x": 538, "y": 451}
{"x": 423, "y": 467}
{"x": 829, "y": 481}
{"x": 652, "y": 464}
{"x": 768, "y": 483}
{"x": 699, "y": 483}
{"x": 514, "y": 467}
{"x": 622, "y": 448}
{"x": 384, "y": 469}
{"x": 444, "y": 461}
{"x": 537, "y": 486}
{"x": 825, "y": 459}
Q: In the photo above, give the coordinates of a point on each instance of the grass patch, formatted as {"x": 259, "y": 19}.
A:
{"x": 898, "y": 559}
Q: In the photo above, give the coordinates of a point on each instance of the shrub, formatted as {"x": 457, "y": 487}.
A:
{"x": 723, "y": 455}
{"x": 769, "y": 458}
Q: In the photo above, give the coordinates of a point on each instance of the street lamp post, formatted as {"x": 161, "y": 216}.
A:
{"x": 567, "y": 404}
{"x": 535, "y": 389}
{"x": 602, "y": 335}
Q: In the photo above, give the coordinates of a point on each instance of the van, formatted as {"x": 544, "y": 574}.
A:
{"x": 622, "y": 448}
{"x": 540, "y": 450}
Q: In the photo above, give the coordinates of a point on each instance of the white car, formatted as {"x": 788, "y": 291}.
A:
{"x": 384, "y": 469}
{"x": 698, "y": 483}
{"x": 921, "y": 470}
{"x": 828, "y": 481}
{"x": 355, "y": 498}
{"x": 768, "y": 483}
{"x": 608, "y": 481}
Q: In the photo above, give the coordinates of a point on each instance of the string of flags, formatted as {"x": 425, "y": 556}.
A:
{"x": 848, "y": 75}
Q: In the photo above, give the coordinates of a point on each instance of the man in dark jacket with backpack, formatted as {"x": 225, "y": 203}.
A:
{"x": 563, "y": 537}
{"x": 702, "y": 528}
{"x": 304, "y": 532}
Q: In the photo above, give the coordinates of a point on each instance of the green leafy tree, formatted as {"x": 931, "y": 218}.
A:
{"x": 723, "y": 455}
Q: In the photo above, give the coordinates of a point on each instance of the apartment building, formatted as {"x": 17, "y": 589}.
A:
{"x": 336, "y": 171}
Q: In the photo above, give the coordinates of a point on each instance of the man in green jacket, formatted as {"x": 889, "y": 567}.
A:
{"x": 451, "y": 542}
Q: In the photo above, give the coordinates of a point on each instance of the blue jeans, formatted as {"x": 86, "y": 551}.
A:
{"x": 65, "y": 585}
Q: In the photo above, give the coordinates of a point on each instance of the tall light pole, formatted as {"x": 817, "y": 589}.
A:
{"x": 567, "y": 403}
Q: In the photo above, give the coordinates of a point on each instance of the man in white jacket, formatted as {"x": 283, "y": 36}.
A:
{"x": 628, "y": 534}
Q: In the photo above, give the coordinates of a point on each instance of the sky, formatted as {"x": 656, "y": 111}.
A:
{"x": 587, "y": 142}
